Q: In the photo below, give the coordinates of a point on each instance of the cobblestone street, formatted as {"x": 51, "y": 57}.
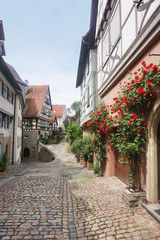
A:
{"x": 63, "y": 200}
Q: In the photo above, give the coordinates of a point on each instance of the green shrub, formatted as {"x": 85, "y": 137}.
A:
{"x": 96, "y": 168}
{"x": 74, "y": 132}
{"x": 88, "y": 148}
{"x": 3, "y": 162}
{"x": 77, "y": 147}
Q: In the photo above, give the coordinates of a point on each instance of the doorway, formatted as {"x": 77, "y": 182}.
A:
{"x": 26, "y": 152}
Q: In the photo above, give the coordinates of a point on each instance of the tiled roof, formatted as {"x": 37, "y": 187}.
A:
{"x": 34, "y": 100}
{"x": 59, "y": 110}
{"x": 15, "y": 74}
{"x": 53, "y": 117}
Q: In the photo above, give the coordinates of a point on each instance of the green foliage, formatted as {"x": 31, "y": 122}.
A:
{"x": 132, "y": 106}
{"x": 100, "y": 125}
{"x": 57, "y": 135}
{"x": 74, "y": 132}
{"x": 88, "y": 148}
{"x": 96, "y": 168}
{"x": 3, "y": 162}
{"x": 66, "y": 122}
{"x": 77, "y": 147}
{"x": 125, "y": 121}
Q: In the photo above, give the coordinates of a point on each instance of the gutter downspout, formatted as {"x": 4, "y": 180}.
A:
{"x": 18, "y": 92}
{"x": 14, "y": 128}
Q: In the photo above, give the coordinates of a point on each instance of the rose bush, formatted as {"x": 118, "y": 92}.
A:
{"x": 128, "y": 115}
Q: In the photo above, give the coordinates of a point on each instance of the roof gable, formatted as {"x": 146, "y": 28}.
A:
{"x": 34, "y": 100}
{"x": 58, "y": 110}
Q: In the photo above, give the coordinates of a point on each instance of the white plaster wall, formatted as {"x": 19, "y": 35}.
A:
{"x": 131, "y": 23}
{"x": 8, "y": 107}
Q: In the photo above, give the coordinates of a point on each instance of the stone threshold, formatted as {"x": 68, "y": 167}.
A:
{"x": 153, "y": 209}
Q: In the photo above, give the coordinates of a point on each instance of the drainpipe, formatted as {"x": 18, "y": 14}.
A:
{"x": 18, "y": 92}
{"x": 14, "y": 129}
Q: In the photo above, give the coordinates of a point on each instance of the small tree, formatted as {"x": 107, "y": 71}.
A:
{"x": 73, "y": 132}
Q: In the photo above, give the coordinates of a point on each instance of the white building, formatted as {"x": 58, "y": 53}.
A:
{"x": 11, "y": 105}
{"x": 60, "y": 112}
{"x": 87, "y": 70}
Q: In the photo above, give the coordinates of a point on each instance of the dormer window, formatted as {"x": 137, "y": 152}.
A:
{"x": 49, "y": 114}
{"x": 43, "y": 110}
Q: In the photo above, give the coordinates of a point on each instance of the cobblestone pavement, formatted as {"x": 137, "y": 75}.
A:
{"x": 63, "y": 200}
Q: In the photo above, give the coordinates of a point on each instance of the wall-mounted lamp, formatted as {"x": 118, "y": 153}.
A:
{"x": 154, "y": 54}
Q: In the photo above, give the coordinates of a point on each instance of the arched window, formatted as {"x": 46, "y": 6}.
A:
{"x": 26, "y": 152}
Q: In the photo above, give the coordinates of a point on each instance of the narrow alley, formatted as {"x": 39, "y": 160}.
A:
{"x": 63, "y": 200}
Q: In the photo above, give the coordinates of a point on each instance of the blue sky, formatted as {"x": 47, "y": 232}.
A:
{"x": 43, "y": 40}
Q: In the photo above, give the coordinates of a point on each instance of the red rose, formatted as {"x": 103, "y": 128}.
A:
{"x": 155, "y": 67}
{"x": 144, "y": 71}
{"x": 139, "y": 130}
{"x": 136, "y": 77}
{"x": 145, "y": 124}
{"x": 149, "y": 84}
{"x": 141, "y": 91}
{"x": 144, "y": 63}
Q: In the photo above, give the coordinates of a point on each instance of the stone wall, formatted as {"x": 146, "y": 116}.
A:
{"x": 30, "y": 145}
{"x": 44, "y": 154}
{"x": 6, "y": 147}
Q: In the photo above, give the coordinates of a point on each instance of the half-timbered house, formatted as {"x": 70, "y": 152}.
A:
{"x": 36, "y": 118}
{"x": 127, "y": 33}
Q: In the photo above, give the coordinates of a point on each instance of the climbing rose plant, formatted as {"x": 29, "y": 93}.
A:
{"x": 99, "y": 125}
{"x": 130, "y": 108}
{"x": 126, "y": 121}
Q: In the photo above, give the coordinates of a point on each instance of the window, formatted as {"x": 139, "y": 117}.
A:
{"x": 29, "y": 122}
{"x": 43, "y": 110}
{"x": 106, "y": 46}
{"x": 8, "y": 122}
{"x": 1, "y": 120}
{"x": 1, "y": 150}
{"x": 42, "y": 123}
{"x": 5, "y": 121}
{"x": 81, "y": 88}
{"x": 12, "y": 97}
{"x": 4, "y": 90}
{"x": 112, "y": 34}
{"x": 8, "y": 94}
{"x": 49, "y": 114}
{"x": 88, "y": 97}
{"x": 115, "y": 26}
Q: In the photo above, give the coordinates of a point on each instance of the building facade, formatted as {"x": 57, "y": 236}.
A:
{"x": 36, "y": 119}
{"x": 11, "y": 106}
{"x": 60, "y": 112}
{"x": 87, "y": 70}
{"x": 127, "y": 33}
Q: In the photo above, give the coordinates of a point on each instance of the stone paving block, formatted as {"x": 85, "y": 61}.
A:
{"x": 42, "y": 204}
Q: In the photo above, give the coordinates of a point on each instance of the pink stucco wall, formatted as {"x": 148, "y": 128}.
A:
{"x": 111, "y": 163}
